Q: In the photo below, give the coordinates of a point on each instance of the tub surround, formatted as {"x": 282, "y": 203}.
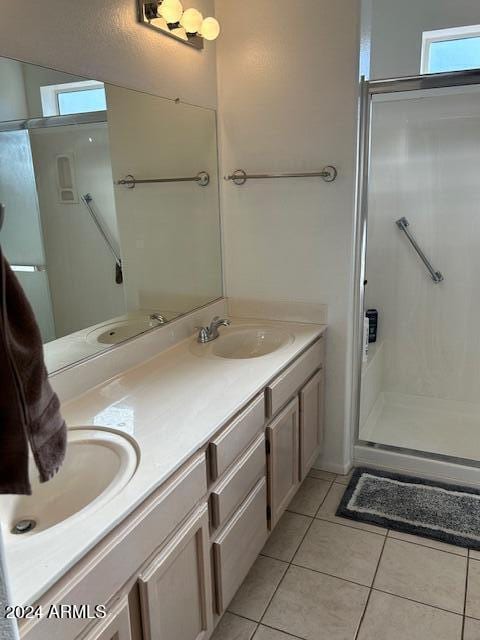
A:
{"x": 172, "y": 405}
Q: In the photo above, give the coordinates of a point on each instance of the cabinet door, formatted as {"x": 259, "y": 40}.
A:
{"x": 283, "y": 458}
{"x": 311, "y": 422}
{"x": 116, "y": 625}
{"x": 175, "y": 590}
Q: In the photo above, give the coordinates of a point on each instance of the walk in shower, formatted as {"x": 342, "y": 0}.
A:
{"x": 418, "y": 265}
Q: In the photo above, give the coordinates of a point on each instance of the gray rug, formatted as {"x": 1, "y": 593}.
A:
{"x": 449, "y": 513}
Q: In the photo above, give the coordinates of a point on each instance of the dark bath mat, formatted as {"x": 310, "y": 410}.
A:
{"x": 446, "y": 512}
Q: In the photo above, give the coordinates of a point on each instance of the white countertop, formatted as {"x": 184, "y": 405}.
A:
{"x": 171, "y": 405}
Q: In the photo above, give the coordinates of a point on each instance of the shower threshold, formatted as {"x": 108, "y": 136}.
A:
{"x": 417, "y": 423}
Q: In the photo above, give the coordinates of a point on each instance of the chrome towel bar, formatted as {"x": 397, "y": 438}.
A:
{"x": 202, "y": 179}
{"x": 402, "y": 224}
{"x": 239, "y": 177}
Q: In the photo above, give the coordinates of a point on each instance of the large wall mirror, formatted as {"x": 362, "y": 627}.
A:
{"x": 112, "y": 211}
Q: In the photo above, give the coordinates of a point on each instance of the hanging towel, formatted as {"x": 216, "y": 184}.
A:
{"x": 29, "y": 409}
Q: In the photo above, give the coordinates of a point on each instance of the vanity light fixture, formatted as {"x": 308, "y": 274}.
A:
{"x": 186, "y": 25}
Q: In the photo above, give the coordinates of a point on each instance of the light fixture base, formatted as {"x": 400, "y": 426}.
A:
{"x": 147, "y": 14}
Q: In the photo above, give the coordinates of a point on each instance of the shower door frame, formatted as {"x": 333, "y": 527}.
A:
{"x": 365, "y": 451}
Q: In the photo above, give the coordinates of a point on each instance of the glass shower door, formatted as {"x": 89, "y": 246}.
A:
{"x": 22, "y": 239}
{"x": 420, "y": 382}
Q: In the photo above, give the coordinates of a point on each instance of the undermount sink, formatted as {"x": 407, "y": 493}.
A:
{"x": 116, "y": 332}
{"x": 243, "y": 342}
{"x": 98, "y": 464}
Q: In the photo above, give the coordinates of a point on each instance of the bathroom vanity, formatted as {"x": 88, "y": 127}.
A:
{"x": 224, "y": 440}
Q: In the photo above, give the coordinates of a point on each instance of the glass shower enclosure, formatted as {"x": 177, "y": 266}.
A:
{"x": 417, "y": 389}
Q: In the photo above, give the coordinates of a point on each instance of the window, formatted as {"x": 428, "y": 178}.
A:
{"x": 451, "y": 49}
{"x": 73, "y": 97}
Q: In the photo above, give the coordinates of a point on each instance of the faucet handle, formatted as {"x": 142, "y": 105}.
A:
{"x": 203, "y": 334}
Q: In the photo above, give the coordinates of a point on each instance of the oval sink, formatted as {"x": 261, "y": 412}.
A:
{"x": 98, "y": 464}
{"x": 238, "y": 343}
{"x": 116, "y": 332}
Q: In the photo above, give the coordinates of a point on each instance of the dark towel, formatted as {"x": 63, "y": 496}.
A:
{"x": 29, "y": 409}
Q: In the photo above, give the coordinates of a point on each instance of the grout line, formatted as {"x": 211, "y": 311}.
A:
{"x": 342, "y": 524}
{"x": 299, "y": 513}
{"x": 240, "y": 615}
{"x": 294, "y": 635}
{"x": 289, "y": 565}
{"x": 331, "y": 575}
{"x": 391, "y": 536}
{"x": 465, "y": 596}
{"x": 425, "y": 604}
{"x": 362, "y": 617}
{"x": 324, "y": 499}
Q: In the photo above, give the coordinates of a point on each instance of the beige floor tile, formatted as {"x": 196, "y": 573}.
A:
{"x": 340, "y": 551}
{"x": 252, "y": 598}
{"x": 475, "y": 555}
{"x": 344, "y": 479}
{"x": 427, "y": 542}
{"x": 232, "y": 627}
{"x": 322, "y": 475}
{"x": 391, "y": 618}
{"x": 422, "y": 574}
{"x": 473, "y": 590}
{"x": 266, "y": 633}
{"x": 312, "y": 605}
{"x": 286, "y": 537}
{"x": 471, "y": 630}
{"x": 330, "y": 505}
{"x": 309, "y": 497}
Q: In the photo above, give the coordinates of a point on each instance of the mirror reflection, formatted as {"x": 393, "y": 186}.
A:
{"x": 112, "y": 213}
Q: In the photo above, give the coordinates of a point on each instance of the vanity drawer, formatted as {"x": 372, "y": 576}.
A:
{"x": 230, "y": 492}
{"x": 284, "y": 387}
{"x": 226, "y": 447}
{"x": 237, "y": 546}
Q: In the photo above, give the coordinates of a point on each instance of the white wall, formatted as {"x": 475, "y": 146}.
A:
{"x": 288, "y": 99}
{"x": 425, "y": 158}
{"x": 13, "y": 104}
{"x": 397, "y": 27}
{"x": 101, "y": 39}
{"x": 170, "y": 233}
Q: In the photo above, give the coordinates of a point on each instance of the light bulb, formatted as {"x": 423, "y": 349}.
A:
{"x": 210, "y": 29}
{"x": 191, "y": 20}
{"x": 171, "y": 11}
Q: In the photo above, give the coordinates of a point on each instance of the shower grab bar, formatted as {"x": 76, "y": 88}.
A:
{"x": 402, "y": 224}
{"x": 87, "y": 200}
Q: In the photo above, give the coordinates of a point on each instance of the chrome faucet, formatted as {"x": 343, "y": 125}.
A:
{"x": 207, "y": 334}
{"x": 158, "y": 317}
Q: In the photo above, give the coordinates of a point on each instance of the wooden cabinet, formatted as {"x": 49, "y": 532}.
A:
{"x": 287, "y": 384}
{"x": 311, "y": 422}
{"x": 175, "y": 590}
{"x": 227, "y": 446}
{"x": 227, "y": 495}
{"x": 238, "y": 545}
{"x": 283, "y": 458}
{"x": 116, "y": 625}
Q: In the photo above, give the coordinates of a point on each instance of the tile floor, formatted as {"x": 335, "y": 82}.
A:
{"x": 320, "y": 577}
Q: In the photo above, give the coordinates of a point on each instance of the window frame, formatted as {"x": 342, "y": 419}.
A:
{"x": 444, "y": 35}
{"x": 49, "y": 94}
